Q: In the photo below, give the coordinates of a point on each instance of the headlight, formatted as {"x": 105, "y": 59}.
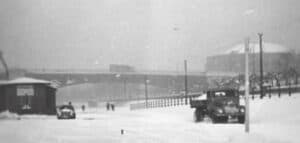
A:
{"x": 220, "y": 111}
{"x": 242, "y": 110}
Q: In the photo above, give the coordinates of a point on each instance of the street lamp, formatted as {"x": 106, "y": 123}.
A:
{"x": 261, "y": 65}
{"x": 146, "y": 80}
{"x": 118, "y": 76}
{"x": 247, "y": 85}
{"x": 185, "y": 82}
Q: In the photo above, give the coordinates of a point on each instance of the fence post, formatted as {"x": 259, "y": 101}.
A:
{"x": 160, "y": 103}
{"x": 167, "y": 102}
{"x": 174, "y": 103}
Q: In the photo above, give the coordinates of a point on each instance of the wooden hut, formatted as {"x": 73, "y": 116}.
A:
{"x": 28, "y": 96}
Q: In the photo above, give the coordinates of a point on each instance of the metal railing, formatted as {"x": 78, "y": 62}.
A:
{"x": 164, "y": 102}
{"x": 159, "y": 102}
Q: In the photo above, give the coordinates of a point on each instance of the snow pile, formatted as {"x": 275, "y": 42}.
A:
{"x": 275, "y": 120}
{"x": 9, "y": 115}
{"x": 37, "y": 117}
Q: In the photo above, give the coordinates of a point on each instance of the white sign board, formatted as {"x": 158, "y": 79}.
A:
{"x": 25, "y": 90}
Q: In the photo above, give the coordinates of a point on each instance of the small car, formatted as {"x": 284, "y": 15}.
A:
{"x": 65, "y": 112}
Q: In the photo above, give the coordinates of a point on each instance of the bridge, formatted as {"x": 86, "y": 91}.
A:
{"x": 126, "y": 85}
{"x": 78, "y": 76}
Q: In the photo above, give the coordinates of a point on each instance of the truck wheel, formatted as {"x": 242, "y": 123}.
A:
{"x": 241, "y": 119}
{"x": 198, "y": 115}
{"x": 224, "y": 119}
{"x": 215, "y": 120}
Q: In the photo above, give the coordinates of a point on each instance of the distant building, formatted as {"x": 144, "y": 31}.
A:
{"x": 27, "y": 95}
{"x": 120, "y": 68}
{"x": 276, "y": 58}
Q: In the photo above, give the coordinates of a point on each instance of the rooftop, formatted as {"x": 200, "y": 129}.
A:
{"x": 24, "y": 80}
{"x": 254, "y": 47}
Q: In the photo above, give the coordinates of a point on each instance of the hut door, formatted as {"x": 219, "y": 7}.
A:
{"x": 26, "y": 102}
{"x": 25, "y": 93}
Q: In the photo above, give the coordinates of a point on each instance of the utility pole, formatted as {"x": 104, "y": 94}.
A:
{"x": 185, "y": 81}
{"x": 125, "y": 92}
{"x": 261, "y": 65}
{"x": 251, "y": 80}
{"x": 247, "y": 128}
{"x": 253, "y": 58}
{"x": 146, "y": 90}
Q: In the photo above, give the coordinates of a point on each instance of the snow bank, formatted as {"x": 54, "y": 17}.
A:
{"x": 275, "y": 120}
{"x": 8, "y": 116}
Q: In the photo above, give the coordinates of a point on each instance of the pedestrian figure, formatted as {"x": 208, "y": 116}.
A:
{"x": 107, "y": 106}
{"x": 290, "y": 89}
{"x": 113, "y": 107}
{"x": 83, "y": 108}
{"x": 270, "y": 92}
{"x": 71, "y": 106}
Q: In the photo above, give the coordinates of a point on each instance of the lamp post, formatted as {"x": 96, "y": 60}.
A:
{"x": 261, "y": 65}
{"x": 146, "y": 90}
{"x": 185, "y": 82}
{"x": 118, "y": 76}
{"x": 247, "y": 128}
{"x": 125, "y": 88}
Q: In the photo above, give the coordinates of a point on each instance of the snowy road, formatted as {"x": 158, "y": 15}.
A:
{"x": 272, "y": 120}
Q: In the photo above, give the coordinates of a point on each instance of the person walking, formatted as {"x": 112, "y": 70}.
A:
{"x": 107, "y": 106}
{"x": 113, "y": 107}
{"x": 83, "y": 108}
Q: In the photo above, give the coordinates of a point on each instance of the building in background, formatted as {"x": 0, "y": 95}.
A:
{"x": 28, "y": 95}
{"x": 120, "y": 68}
{"x": 276, "y": 58}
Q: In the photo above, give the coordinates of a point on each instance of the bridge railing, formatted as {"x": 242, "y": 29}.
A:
{"x": 164, "y": 102}
{"x": 180, "y": 100}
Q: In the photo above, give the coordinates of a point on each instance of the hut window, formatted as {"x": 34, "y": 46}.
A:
{"x": 25, "y": 90}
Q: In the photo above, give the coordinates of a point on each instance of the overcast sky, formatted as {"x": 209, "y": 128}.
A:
{"x": 147, "y": 34}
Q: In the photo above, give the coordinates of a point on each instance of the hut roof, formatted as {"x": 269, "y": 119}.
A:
{"x": 25, "y": 80}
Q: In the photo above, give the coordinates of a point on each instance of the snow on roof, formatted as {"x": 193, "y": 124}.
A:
{"x": 29, "y": 80}
{"x": 3, "y": 82}
{"x": 24, "y": 80}
{"x": 267, "y": 48}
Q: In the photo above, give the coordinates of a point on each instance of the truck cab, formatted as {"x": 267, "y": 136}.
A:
{"x": 220, "y": 105}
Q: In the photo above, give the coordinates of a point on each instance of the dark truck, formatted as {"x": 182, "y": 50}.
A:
{"x": 220, "y": 105}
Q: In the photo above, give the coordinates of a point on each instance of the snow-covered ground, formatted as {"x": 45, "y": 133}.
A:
{"x": 275, "y": 120}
